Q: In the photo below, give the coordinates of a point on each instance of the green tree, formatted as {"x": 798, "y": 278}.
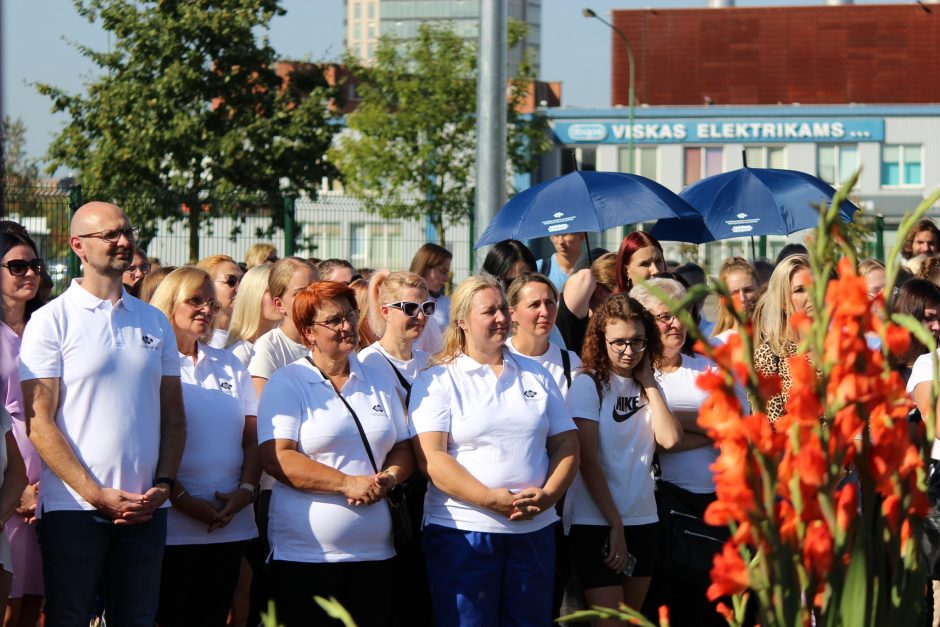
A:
{"x": 190, "y": 102}
{"x": 18, "y": 169}
{"x": 410, "y": 147}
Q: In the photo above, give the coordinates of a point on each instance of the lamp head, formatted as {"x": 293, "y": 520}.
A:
{"x": 588, "y": 13}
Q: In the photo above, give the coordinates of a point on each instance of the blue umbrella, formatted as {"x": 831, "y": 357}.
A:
{"x": 582, "y": 202}
{"x": 749, "y": 202}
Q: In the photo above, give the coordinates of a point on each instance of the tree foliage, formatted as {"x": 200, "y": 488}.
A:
{"x": 190, "y": 102}
{"x": 410, "y": 147}
{"x": 18, "y": 169}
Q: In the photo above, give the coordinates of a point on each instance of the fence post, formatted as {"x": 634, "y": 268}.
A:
{"x": 75, "y": 201}
{"x": 880, "y": 238}
{"x": 290, "y": 227}
{"x": 473, "y": 230}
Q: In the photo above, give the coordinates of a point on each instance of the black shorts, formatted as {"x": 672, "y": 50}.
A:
{"x": 587, "y": 544}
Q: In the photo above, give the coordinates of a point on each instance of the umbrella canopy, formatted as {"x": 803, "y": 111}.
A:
{"x": 751, "y": 201}
{"x": 583, "y": 202}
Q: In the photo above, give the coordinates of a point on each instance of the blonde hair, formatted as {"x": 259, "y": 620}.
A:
{"x": 259, "y": 254}
{"x": 283, "y": 270}
{"x": 212, "y": 262}
{"x": 386, "y": 287}
{"x": 152, "y": 281}
{"x": 604, "y": 269}
{"x": 248, "y": 310}
{"x": 772, "y": 314}
{"x": 724, "y": 319}
{"x": 868, "y": 266}
{"x": 179, "y": 285}
{"x": 929, "y": 270}
{"x": 360, "y": 288}
{"x": 455, "y": 338}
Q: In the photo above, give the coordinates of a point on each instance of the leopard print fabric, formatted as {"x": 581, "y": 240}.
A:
{"x": 767, "y": 362}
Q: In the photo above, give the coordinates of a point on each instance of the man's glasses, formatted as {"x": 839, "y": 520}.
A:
{"x": 144, "y": 268}
{"x": 113, "y": 236}
{"x": 198, "y": 302}
{"x": 18, "y": 267}
{"x": 336, "y": 322}
{"x": 637, "y": 345}
{"x": 411, "y": 309}
{"x": 231, "y": 280}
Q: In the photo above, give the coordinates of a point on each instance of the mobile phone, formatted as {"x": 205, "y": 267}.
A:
{"x": 628, "y": 566}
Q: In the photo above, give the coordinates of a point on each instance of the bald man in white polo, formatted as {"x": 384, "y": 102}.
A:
{"x": 101, "y": 390}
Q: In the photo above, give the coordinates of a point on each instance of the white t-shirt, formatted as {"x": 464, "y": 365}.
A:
{"x": 551, "y": 361}
{"x": 299, "y": 404}
{"x": 217, "y": 394}
{"x": 497, "y": 429}
{"x": 922, "y": 372}
{"x": 378, "y": 357}
{"x": 723, "y": 337}
{"x": 110, "y": 362}
{"x": 219, "y": 337}
{"x": 687, "y": 469}
{"x": 243, "y": 351}
{"x": 626, "y": 445}
{"x": 441, "y": 315}
{"x": 431, "y": 339}
{"x": 274, "y": 350}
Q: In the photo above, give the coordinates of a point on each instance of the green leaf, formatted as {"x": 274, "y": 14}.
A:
{"x": 854, "y": 600}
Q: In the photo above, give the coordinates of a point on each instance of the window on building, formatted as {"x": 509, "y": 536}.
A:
{"x": 701, "y": 162}
{"x": 357, "y": 10}
{"x": 836, "y": 163}
{"x": 371, "y": 30}
{"x": 371, "y": 10}
{"x": 765, "y": 157}
{"x": 323, "y": 240}
{"x": 644, "y": 161}
{"x": 378, "y": 245}
{"x": 901, "y": 164}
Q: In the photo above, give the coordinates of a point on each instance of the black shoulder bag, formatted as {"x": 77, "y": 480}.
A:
{"x": 402, "y": 529}
{"x": 401, "y": 377}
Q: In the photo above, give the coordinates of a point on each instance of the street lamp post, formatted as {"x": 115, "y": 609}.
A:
{"x": 626, "y": 42}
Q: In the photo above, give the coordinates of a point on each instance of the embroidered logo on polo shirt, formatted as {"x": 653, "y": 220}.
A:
{"x": 225, "y": 385}
{"x": 147, "y": 341}
{"x": 378, "y": 409}
{"x": 530, "y": 393}
{"x": 625, "y": 407}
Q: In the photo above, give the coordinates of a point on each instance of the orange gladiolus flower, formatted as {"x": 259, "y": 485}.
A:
{"x": 817, "y": 549}
{"x": 891, "y": 510}
{"x": 729, "y": 574}
{"x": 846, "y": 505}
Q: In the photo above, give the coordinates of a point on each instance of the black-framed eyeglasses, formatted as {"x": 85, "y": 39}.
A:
{"x": 198, "y": 302}
{"x": 231, "y": 280}
{"x": 665, "y": 318}
{"x": 619, "y": 346}
{"x": 335, "y": 322}
{"x": 411, "y": 309}
{"x": 18, "y": 267}
{"x": 144, "y": 268}
{"x": 113, "y": 236}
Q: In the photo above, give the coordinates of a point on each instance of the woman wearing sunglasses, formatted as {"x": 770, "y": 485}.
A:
{"x": 333, "y": 435}
{"x": 211, "y": 521}
{"x": 226, "y": 276}
{"x": 399, "y": 309}
{"x": 621, "y": 417}
{"x": 20, "y": 269}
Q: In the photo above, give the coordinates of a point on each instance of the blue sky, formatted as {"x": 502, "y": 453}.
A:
{"x": 35, "y": 47}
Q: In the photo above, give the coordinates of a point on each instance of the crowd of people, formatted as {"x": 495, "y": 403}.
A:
{"x": 183, "y": 444}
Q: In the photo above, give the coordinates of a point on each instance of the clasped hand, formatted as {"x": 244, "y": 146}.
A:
{"x": 523, "y": 505}
{"x": 367, "y": 489}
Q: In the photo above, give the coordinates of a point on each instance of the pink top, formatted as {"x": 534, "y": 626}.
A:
{"x": 12, "y": 397}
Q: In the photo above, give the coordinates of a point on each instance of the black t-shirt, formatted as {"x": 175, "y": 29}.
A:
{"x": 571, "y": 327}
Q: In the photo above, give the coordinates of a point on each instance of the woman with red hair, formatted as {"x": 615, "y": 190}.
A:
{"x": 334, "y": 437}
{"x": 640, "y": 258}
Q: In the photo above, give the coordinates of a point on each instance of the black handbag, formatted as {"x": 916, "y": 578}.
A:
{"x": 689, "y": 544}
{"x": 402, "y": 529}
{"x": 930, "y": 537}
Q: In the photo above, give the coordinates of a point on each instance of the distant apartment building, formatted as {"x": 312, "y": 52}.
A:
{"x": 367, "y": 20}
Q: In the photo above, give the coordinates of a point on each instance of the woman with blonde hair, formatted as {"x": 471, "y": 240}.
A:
{"x": 226, "y": 276}
{"x": 739, "y": 277}
{"x": 788, "y": 293}
{"x": 211, "y": 520}
{"x": 152, "y": 281}
{"x": 259, "y": 254}
{"x": 367, "y": 336}
{"x": 254, "y": 313}
{"x": 495, "y": 439}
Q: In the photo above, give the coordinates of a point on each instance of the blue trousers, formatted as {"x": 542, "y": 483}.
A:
{"x": 81, "y": 549}
{"x": 486, "y": 579}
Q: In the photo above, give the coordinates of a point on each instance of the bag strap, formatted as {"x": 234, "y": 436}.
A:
{"x": 362, "y": 433}
{"x": 566, "y": 365}
{"x": 401, "y": 377}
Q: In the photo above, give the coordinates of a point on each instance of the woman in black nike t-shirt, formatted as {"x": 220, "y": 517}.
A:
{"x": 621, "y": 417}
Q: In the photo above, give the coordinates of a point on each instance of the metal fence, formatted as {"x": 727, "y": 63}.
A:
{"x": 332, "y": 225}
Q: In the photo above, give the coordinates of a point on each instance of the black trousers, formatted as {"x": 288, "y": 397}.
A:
{"x": 198, "y": 584}
{"x": 363, "y": 588}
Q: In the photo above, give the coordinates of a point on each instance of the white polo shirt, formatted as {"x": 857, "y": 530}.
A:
{"x": 379, "y": 358}
{"x": 922, "y": 372}
{"x": 243, "y": 350}
{"x": 551, "y": 361}
{"x": 274, "y": 350}
{"x": 497, "y": 429}
{"x": 217, "y": 394}
{"x": 110, "y": 361}
{"x": 626, "y": 445}
{"x": 299, "y": 404}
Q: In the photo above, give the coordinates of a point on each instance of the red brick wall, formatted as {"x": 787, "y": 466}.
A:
{"x": 769, "y": 55}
